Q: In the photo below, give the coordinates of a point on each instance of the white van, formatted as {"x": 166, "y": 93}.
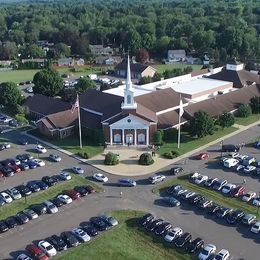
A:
{"x": 157, "y": 178}
{"x": 230, "y": 162}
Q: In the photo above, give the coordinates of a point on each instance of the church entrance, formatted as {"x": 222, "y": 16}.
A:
{"x": 129, "y": 139}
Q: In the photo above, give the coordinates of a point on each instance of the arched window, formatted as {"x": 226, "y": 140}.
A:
{"x": 128, "y": 99}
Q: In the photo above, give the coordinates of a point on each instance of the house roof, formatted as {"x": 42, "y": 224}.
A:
{"x": 177, "y": 52}
{"x": 170, "y": 119}
{"x": 224, "y": 103}
{"x": 90, "y": 120}
{"x": 160, "y": 100}
{"x": 61, "y": 119}
{"x": 101, "y": 102}
{"x": 239, "y": 78}
{"x": 199, "y": 72}
{"x": 135, "y": 67}
{"x": 46, "y": 105}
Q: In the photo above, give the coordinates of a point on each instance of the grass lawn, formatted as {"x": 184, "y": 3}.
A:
{"x": 17, "y": 75}
{"x": 189, "y": 143}
{"x": 126, "y": 241}
{"x": 162, "y": 67}
{"x": 72, "y": 144}
{"x": 247, "y": 120}
{"x": 38, "y": 197}
{"x": 218, "y": 197}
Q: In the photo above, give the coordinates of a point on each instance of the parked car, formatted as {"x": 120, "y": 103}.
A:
{"x": 69, "y": 239}
{"x": 90, "y": 229}
{"x": 230, "y": 163}
{"x": 77, "y": 170}
{"x": 235, "y": 216}
{"x": 41, "y": 149}
{"x": 90, "y": 189}
{"x": 47, "y": 248}
{"x": 223, "y": 254}
{"x": 32, "y": 164}
{"x": 222, "y": 212}
{"x": 219, "y": 184}
{"x": 256, "y": 228}
{"x": 204, "y": 203}
{"x": 195, "y": 199}
{"x": 249, "y": 169}
{"x": 21, "y": 218}
{"x": 257, "y": 145}
{"x": 99, "y": 223}
{"x": 40, "y": 209}
{"x": 55, "y": 157}
{"x": 57, "y": 202}
{"x": 24, "y": 166}
{"x": 109, "y": 220}
{"x": 51, "y": 208}
{"x": 201, "y": 179}
{"x": 210, "y": 182}
{"x": 203, "y": 156}
{"x": 40, "y": 163}
{"x": 100, "y": 177}
{"x": 22, "y": 141}
{"x": 157, "y": 178}
{"x": 65, "y": 176}
{"x": 49, "y": 180}
{"x": 80, "y": 234}
{"x": 81, "y": 190}
{"x": 11, "y": 222}
{"x": 146, "y": 219}
{"x": 207, "y": 251}
{"x": 230, "y": 148}
{"x": 248, "y": 219}
{"x": 42, "y": 185}
{"x": 187, "y": 194}
{"x": 228, "y": 188}
{"x": 238, "y": 191}
{"x": 23, "y": 257}
{"x": 154, "y": 224}
{"x": 126, "y": 182}
{"x": 36, "y": 252}
{"x": 23, "y": 190}
{"x": 32, "y": 185}
{"x": 256, "y": 201}
{"x": 3, "y": 227}
{"x": 163, "y": 228}
{"x": 31, "y": 214}
{"x": 183, "y": 239}
{"x": 173, "y": 234}
{"x": 173, "y": 189}
{"x": 249, "y": 196}
{"x": 72, "y": 194}
{"x": 171, "y": 201}
{"x": 14, "y": 193}
{"x": 239, "y": 168}
{"x": 2, "y": 202}
{"x": 194, "y": 245}
{"x": 57, "y": 242}
{"x": 212, "y": 209}
{"x": 6, "y": 197}
{"x": 176, "y": 170}
{"x": 64, "y": 198}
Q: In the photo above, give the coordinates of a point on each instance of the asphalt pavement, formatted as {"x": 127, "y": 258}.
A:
{"x": 238, "y": 240}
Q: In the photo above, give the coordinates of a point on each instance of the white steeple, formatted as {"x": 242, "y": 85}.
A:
{"x": 129, "y": 92}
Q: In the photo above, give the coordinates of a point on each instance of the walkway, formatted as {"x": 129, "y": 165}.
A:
{"x": 129, "y": 166}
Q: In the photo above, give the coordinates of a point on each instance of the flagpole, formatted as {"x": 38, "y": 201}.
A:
{"x": 179, "y": 125}
{"x": 80, "y": 140}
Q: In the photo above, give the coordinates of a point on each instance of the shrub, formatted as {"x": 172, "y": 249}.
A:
{"x": 84, "y": 155}
{"x": 21, "y": 118}
{"x": 111, "y": 159}
{"x": 244, "y": 110}
{"x": 146, "y": 159}
{"x": 158, "y": 136}
{"x": 171, "y": 154}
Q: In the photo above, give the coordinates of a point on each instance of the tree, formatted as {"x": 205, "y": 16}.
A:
{"x": 47, "y": 82}
{"x": 255, "y": 104}
{"x": 32, "y": 51}
{"x": 8, "y": 51}
{"x": 202, "y": 124}
{"x": 84, "y": 84}
{"x": 145, "y": 80}
{"x": 226, "y": 120}
{"x": 244, "y": 110}
{"x": 157, "y": 76}
{"x": 11, "y": 95}
{"x": 142, "y": 56}
{"x": 61, "y": 50}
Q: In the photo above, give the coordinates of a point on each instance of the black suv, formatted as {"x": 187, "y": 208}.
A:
{"x": 57, "y": 242}
{"x": 39, "y": 209}
{"x": 183, "y": 239}
{"x": 194, "y": 245}
{"x": 235, "y": 216}
{"x": 230, "y": 148}
{"x": 144, "y": 220}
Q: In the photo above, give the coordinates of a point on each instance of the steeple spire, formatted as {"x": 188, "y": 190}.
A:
{"x": 128, "y": 75}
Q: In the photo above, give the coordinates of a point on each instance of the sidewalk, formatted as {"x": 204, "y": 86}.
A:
{"x": 129, "y": 166}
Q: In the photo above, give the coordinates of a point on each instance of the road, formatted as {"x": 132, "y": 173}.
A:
{"x": 238, "y": 240}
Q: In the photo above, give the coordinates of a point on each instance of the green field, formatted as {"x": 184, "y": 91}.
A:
{"x": 126, "y": 241}
{"x": 38, "y": 197}
{"x": 162, "y": 67}
{"x": 218, "y": 197}
{"x": 189, "y": 143}
{"x": 247, "y": 120}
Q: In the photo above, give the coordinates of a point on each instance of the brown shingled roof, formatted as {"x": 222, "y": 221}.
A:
{"x": 160, "y": 100}
{"x": 199, "y": 72}
{"x": 170, "y": 119}
{"x": 239, "y": 78}
{"x": 46, "y": 105}
{"x": 135, "y": 67}
{"x": 224, "y": 103}
{"x": 90, "y": 120}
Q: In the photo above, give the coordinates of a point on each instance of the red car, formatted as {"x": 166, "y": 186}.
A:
{"x": 36, "y": 252}
{"x": 73, "y": 194}
{"x": 203, "y": 156}
{"x": 238, "y": 191}
{"x": 15, "y": 168}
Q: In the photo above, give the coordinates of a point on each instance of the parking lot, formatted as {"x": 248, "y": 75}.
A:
{"x": 139, "y": 197}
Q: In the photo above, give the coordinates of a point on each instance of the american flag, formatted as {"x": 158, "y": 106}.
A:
{"x": 75, "y": 105}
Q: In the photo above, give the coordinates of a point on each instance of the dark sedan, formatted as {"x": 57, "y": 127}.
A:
{"x": 81, "y": 190}
{"x": 11, "y": 222}
{"x": 163, "y": 228}
{"x": 99, "y": 223}
{"x": 147, "y": 218}
{"x": 154, "y": 224}
{"x": 40, "y": 209}
{"x": 3, "y": 226}
{"x": 57, "y": 202}
{"x": 21, "y": 218}
{"x": 42, "y": 185}
{"x": 90, "y": 229}
{"x": 69, "y": 239}
{"x": 194, "y": 245}
{"x": 212, "y": 209}
{"x": 23, "y": 190}
{"x": 183, "y": 239}
{"x": 235, "y": 216}
{"x": 49, "y": 180}
{"x": 33, "y": 186}
{"x": 57, "y": 242}
{"x": 176, "y": 170}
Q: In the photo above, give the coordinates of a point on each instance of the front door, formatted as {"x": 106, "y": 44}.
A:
{"x": 129, "y": 139}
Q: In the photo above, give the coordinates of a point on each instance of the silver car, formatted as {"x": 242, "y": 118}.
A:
{"x": 51, "y": 208}
{"x": 81, "y": 234}
{"x": 14, "y": 193}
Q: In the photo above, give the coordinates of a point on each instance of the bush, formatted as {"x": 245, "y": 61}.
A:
{"x": 146, "y": 159}
{"x": 21, "y": 118}
{"x": 83, "y": 155}
{"x": 111, "y": 159}
{"x": 244, "y": 110}
{"x": 158, "y": 137}
{"x": 171, "y": 154}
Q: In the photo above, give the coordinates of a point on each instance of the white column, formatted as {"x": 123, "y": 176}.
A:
{"x": 123, "y": 136}
{"x": 135, "y": 138}
{"x": 147, "y": 136}
{"x": 111, "y": 136}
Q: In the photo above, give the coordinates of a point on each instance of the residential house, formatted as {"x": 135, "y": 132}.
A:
{"x": 176, "y": 55}
{"x": 100, "y": 50}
